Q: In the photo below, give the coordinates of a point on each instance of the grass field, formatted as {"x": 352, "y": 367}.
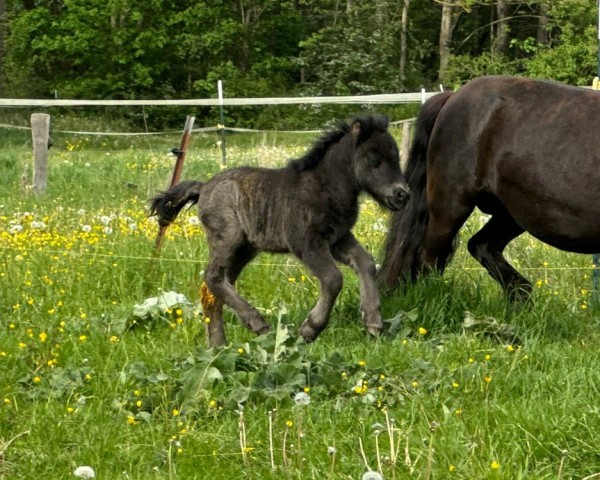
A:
{"x": 86, "y": 378}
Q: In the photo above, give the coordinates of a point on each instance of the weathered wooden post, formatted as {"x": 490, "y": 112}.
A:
{"x": 40, "y": 133}
{"x": 185, "y": 141}
{"x": 405, "y": 145}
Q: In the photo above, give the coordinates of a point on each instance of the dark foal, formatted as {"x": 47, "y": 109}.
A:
{"x": 307, "y": 208}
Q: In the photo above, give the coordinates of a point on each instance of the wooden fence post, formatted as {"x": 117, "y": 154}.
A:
{"x": 405, "y": 146}
{"x": 185, "y": 141}
{"x": 40, "y": 133}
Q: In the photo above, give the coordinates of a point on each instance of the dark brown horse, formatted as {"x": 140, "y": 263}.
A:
{"x": 306, "y": 208}
{"x": 527, "y": 152}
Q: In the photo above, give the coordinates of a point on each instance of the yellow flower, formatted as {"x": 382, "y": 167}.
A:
{"x": 306, "y": 389}
{"x": 179, "y": 312}
{"x": 82, "y": 338}
{"x": 487, "y": 379}
{"x": 22, "y": 345}
{"x": 362, "y": 363}
{"x": 495, "y": 465}
{"x": 70, "y": 409}
{"x": 510, "y": 348}
{"x": 43, "y": 336}
{"x": 175, "y": 412}
{"x": 206, "y": 320}
{"x": 114, "y": 339}
{"x": 455, "y": 385}
{"x": 131, "y": 420}
{"x": 488, "y": 357}
{"x": 415, "y": 384}
{"x": 241, "y": 351}
{"x": 37, "y": 379}
{"x": 451, "y": 468}
{"x": 289, "y": 424}
{"x": 422, "y": 331}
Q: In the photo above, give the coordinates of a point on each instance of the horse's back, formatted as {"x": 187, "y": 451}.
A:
{"x": 527, "y": 147}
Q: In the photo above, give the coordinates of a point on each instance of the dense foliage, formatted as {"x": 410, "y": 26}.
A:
{"x": 179, "y": 49}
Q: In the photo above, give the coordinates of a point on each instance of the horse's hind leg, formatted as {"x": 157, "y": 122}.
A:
{"x": 221, "y": 272}
{"x": 322, "y": 264}
{"x": 487, "y": 246}
{"x": 212, "y": 306}
{"x": 351, "y": 253}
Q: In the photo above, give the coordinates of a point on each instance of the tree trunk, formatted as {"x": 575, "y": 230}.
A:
{"x": 403, "y": 40}
{"x": 502, "y": 28}
{"x": 445, "y": 38}
{"x": 543, "y": 36}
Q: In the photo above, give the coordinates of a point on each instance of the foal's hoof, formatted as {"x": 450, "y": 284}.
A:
{"x": 374, "y": 323}
{"x": 309, "y": 332}
{"x": 263, "y": 330}
{"x": 375, "y": 332}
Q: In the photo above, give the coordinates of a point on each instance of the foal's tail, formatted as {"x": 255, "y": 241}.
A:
{"x": 167, "y": 205}
{"x": 407, "y": 231}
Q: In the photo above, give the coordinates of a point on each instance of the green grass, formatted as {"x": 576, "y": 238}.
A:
{"x": 442, "y": 395}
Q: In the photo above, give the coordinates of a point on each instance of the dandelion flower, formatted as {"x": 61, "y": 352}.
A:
{"x": 84, "y": 472}
{"x": 495, "y": 465}
{"x": 422, "y": 331}
{"x": 362, "y": 363}
{"x": 331, "y": 450}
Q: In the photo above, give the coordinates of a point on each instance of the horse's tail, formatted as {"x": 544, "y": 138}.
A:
{"x": 407, "y": 230}
{"x": 167, "y": 205}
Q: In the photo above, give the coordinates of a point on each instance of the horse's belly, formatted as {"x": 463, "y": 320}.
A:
{"x": 560, "y": 229}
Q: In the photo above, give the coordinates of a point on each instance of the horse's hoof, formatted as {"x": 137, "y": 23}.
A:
{"x": 264, "y": 329}
{"x": 375, "y": 332}
{"x": 308, "y": 332}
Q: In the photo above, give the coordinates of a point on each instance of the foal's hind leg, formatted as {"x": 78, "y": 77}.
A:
{"x": 321, "y": 263}
{"x": 223, "y": 268}
{"x": 487, "y": 246}
{"x": 213, "y": 306}
{"x": 351, "y": 253}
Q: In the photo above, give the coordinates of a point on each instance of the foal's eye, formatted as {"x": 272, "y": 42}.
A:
{"x": 374, "y": 160}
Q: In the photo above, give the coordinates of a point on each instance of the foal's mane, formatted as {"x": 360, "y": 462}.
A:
{"x": 313, "y": 157}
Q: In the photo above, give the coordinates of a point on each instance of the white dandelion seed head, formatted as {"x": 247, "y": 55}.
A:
{"x": 108, "y": 230}
{"x": 15, "y": 229}
{"x": 331, "y": 450}
{"x": 84, "y": 472}
{"x": 302, "y": 399}
{"x": 133, "y": 226}
{"x": 105, "y": 220}
{"x": 81, "y": 211}
{"x": 193, "y": 221}
{"x": 86, "y": 228}
{"x": 38, "y": 225}
{"x": 370, "y": 475}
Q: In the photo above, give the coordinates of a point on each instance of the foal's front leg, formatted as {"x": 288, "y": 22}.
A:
{"x": 349, "y": 252}
{"x": 321, "y": 263}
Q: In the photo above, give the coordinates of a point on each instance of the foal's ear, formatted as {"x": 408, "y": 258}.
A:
{"x": 356, "y": 130}
{"x": 363, "y": 127}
